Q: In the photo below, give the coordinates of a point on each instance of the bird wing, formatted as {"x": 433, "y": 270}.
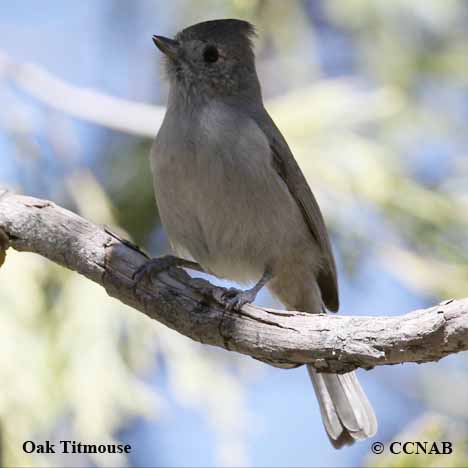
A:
{"x": 288, "y": 169}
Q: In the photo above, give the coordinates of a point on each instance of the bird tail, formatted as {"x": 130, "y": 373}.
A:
{"x": 346, "y": 412}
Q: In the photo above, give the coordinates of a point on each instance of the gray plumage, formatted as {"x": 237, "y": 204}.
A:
{"x": 232, "y": 197}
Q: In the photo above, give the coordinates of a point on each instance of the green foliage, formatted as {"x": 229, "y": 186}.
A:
{"x": 62, "y": 359}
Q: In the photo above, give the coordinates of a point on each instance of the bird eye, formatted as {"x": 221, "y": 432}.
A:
{"x": 210, "y": 54}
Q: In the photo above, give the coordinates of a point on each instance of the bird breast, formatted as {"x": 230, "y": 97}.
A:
{"x": 219, "y": 196}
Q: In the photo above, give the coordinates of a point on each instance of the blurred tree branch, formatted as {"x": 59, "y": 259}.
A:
{"x": 143, "y": 119}
{"x": 283, "y": 339}
{"x": 93, "y": 106}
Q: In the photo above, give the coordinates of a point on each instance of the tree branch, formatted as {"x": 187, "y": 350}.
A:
{"x": 284, "y": 339}
{"x": 90, "y": 105}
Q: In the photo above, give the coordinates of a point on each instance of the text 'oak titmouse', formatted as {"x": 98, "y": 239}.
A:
{"x": 234, "y": 201}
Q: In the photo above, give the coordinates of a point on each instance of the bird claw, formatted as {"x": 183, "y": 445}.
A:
{"x": 153, "y": 267}
{"x": 233, "y": 299}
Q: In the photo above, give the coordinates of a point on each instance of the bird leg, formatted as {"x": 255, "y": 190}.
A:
{"x": 234, "y": 299}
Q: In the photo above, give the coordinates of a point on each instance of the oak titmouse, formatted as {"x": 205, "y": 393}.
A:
{"x": 234, "y": 201}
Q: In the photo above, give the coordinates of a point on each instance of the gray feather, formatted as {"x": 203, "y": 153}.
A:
{"x": 288, "y": 169}
{"x": 346, "y": 412}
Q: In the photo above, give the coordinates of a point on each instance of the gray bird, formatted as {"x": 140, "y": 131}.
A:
{"x": 234, "y": 201}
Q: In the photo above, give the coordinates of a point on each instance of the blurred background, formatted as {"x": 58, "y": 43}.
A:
{"x": 372, "y": 97}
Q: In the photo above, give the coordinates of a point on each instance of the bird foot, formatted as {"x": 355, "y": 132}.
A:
{"x": 154, "y": 266}
{"x": 234, "y": 299}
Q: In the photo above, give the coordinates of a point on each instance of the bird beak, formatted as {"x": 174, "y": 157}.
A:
{"x": 167, "y": 46}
